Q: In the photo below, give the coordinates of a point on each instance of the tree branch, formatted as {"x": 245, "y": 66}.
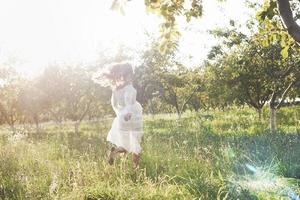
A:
{"x": 189, "y": 98}
{"x": 283, "y": 96}
{"x": 86, "y": 110}
{"x": 286, "y": 14}
{"x": 273, "y": 98}
{"x": 4, "y": 113}
{"x": 251, "y": 101}
{"x": 286, "y": 72}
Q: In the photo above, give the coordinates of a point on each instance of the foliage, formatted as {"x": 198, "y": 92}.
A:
{"x": 10, "y": 109}
{"x": 251, "y": 71}
{"x": 267, "y": 15}
{"x": 33, "y": 102}
{"x": 165, "y": 77}
{"x": 170, "y": 10}
{"x": 72, "y": 93}
{"x": 272, "y": 28}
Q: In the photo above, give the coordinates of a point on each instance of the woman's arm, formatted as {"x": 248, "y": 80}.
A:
{"x": 130, "y": 99}
{"x": 114, "y": 104}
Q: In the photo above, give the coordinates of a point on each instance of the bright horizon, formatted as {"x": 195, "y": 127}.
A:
{"x": 36, "y": 33}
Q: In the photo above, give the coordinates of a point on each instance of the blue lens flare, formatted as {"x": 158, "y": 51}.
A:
{"x": 264, "y": 180}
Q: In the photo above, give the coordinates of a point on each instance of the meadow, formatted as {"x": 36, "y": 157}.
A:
{"x": 205, "y": 155}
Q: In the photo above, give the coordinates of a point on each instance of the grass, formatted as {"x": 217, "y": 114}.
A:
{"x": 206, "y": 155}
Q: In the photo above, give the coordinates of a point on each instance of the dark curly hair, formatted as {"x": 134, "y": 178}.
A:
{"x": 110, "y": 74}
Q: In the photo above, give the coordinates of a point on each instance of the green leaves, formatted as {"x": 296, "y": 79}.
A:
{"x": 195, "y": 11}
{"x": 169, "y": 38}
{"x": 169, "y": 10}
{"x": 271, "y": 30}
{"x": 268, "y": 11}
{"x": 285, "y": 52}
{"x": 255, "y": 68}
{"x": 163, "y": 77}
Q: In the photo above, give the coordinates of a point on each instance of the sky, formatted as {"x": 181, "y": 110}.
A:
{"x": 37, "y": 33}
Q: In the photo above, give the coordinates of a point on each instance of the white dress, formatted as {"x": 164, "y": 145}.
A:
{"x": 126, "y": 134}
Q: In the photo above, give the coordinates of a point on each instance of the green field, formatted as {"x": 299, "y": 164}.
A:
{"x": 206, "y": 155}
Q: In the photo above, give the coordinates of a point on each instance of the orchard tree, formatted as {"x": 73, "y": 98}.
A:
{"x": 178, "y": 87}
{"x": 100, "y": 101}
{"x": 170, "y": 10}
{"x": 34, "y": 102}
{"x": 219, "y": 66}
{"x": 273, "y": 11}
{"x": 52, "y": 86}
{"x": 200, "y": 99}
{"x": 255, "y": 74}
{"x": 282, "y": 9}
{"x": 145, "y": 77}
{"x": 78, "y": 94}
{"x": 285, "y": 79}
{"x": 163, "y": 76}
{"x": 9, "y": 97}
{"x": 219, "y": 93}
{"x": 243, "y": 73}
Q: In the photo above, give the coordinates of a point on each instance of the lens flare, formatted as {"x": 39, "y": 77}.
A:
{"x": 263, "y": 180}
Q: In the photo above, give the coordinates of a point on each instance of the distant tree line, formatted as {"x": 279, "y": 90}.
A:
{"x": 241, "y": 70}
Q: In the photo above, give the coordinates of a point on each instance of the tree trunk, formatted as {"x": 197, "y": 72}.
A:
{"x": 259, "y": 113}
{"x": 76, "y": 127}
{"x": 151, "y": 107}
{"x": 37, "y": 125}
{"x": 286, "y": 14}
{"x": 273, "y": 119}
{"x": 179, "y": 115}
{"x": 178, "y": 112}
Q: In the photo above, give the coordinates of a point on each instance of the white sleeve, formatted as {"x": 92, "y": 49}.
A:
{"x": 130, "y": 99}
{"x": 114, "y": 104}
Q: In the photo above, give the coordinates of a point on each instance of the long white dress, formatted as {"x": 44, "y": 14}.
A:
{"x": 126, "y": 134}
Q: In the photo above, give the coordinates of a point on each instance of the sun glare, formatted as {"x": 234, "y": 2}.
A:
{"x": 39, "y": 33}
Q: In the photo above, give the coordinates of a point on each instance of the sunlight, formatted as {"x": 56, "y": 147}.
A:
{"x": 39, "y": 33}
{"x": 148, "y": 99}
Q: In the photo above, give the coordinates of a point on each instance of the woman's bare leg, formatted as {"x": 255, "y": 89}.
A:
{"x": 121, "y": 150}
{"x": 136, "y": 160}
{"x": 113, "y": 153}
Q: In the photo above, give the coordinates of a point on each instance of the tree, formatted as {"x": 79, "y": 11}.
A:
{"x": 51, "y": 84}
{"x": 286, "y": 13}
{"x": 171, "y": 81}
{"x": 285, "y": 79}
{"x": 171, "y": 10}
{"x": 255, "y": 73}
{"x": 9, "y": 97}
{"x": 219, "y": 68}
{"x": 272, "y": 16}
{"x": 244, "y": 72}
{"x": 78, "y": 94}
{"x": 70, "y": 93}
{"x": 33, "y": 101}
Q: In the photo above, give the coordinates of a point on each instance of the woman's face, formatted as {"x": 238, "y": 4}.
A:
{"x": 120, "y": 81}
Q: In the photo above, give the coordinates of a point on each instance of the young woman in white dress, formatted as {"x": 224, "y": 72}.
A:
{"x": 127, "y": 128}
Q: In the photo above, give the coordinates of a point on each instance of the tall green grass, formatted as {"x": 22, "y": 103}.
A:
{"x": 202, "y": 156}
